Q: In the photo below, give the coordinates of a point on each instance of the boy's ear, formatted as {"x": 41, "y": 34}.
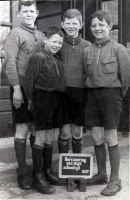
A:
{"x": 18, "y": 14}
{"x": 45, "y": 40}
{"x": 37, "y": 12}
{"x": 62, "y": 24}
{"x": 110, "y": 26}
{"x": 81, "y": 25}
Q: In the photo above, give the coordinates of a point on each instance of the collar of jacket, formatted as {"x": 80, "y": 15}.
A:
{"x": 46, "y": 53}
{"x": 103, "y": 42}
{"x": 29, "y": 29}
{"x": 49, "y": 55}
{"x": 73, "y": 41}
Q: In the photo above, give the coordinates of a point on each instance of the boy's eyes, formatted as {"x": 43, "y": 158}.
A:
{"x": 72, "y": 24}
{"x": 94, "y": 25}
{"x": 26, "y": 11}
{"x": 55, "y": 42}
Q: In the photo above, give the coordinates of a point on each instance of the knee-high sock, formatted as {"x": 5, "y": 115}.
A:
{"x": 114, "y": 155}
{"x": 63, "y": 145}
{"x": 47, "y": 156}
{"x": 20, "y": 150}
{"x": 100, "y": 152}
{"x": 37, "y": 152}
{"x": 77, "y": 145}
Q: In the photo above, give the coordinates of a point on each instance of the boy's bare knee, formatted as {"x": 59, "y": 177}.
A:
{"x": 50, "y": 134}
{"x": 22, "y": 130}
{"x": 65, "y": 131}
{"x": 98, "y": 135}
{"x": 111, "y": 137}
{"x": 76, "y": 131}
{"x": 40, "y": 138}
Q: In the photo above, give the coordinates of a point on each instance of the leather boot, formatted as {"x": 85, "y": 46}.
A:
{"x": 24, "y": 182}
{"x": 63, "y": 145}
{"x": 47, "y": 164}
{"x": 52, "y": 178}
{"x": 41, "y": 185}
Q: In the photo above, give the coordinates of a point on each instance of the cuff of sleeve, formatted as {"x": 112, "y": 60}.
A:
{"x": 14, "y": 82}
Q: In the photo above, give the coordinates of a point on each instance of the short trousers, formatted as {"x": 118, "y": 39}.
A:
{"x": 74, "y": 101}
{"x": 103, "y": 107}
{"x": 47, "y": 110}
{"x": 22, "y": 114}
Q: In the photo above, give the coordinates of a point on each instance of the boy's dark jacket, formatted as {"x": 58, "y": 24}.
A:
{"x": 72, "y": 59}
{"x": 107, "y": 66}
{"x": 44, "y": 73}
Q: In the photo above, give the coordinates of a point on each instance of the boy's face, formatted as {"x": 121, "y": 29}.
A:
{"x": 71, "y": 26}
{"x": 28, "y": 15}
{"x": 54, "y": 43}
{"x": 100, "y": 29}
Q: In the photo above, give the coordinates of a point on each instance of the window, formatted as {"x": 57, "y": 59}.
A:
{"x": 5, "y": 26}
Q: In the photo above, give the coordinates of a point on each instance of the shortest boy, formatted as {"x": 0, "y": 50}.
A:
{"x": 43, "y": 85}
{"x": 107, "y": 67}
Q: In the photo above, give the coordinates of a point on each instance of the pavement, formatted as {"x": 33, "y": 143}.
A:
{"x": 10, "y": 189}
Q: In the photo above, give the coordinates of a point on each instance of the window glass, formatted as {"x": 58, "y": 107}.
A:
{"x": 5, "y": 11}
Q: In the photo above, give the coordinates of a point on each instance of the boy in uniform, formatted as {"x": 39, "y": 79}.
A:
{"x": 22, "y": 43}
{"x": 74, "y": 99}
{"x": 107, "y": 68}
{"x": 43, "y": 85}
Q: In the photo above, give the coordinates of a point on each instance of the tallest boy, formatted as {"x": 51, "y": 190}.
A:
{"x": 74, "y": 99}
{"x": 22, "y": 43}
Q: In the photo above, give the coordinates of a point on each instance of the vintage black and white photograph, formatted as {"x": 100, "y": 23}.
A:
{"x": 64, "y": 99}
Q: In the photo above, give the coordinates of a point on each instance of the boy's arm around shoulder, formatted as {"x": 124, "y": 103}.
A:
{"x": 30, "y": 76}
{"x": 124, "y": 68}
{"x": 12, "y": 47}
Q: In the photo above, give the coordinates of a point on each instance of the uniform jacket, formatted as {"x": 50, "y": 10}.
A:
{"x": 44, "y": 73}
{"x": 72, "y": 59}
{"x": 107, "y": 66}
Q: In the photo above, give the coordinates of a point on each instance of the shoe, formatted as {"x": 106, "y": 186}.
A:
{"x": 112, "y": 188}
{"x": 41, "y": 185}
{"x": 97, "y": 179}
{"x": 51, "y": 178}
{"x": 25, "y": 182}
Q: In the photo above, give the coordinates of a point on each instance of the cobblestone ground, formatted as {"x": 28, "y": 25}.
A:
{"x": 12, "y": 191}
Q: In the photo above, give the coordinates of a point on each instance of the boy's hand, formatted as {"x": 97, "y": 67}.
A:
{"x": 17, "y": 96}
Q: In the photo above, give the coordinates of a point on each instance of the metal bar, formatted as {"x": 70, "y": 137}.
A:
{"x": 71, "y": 2}
{"x": 120, "y": 21}
{"x": 84, "y": 28}
{"x": 115, "y": 27}
{"x": 48, "y": 16}
{"x": 74, "y": 3}
{"x": 8, "y": 24}
{"x": 11, "y": 12}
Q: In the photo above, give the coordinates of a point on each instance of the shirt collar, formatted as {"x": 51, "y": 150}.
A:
{"x": 29, "y": 29}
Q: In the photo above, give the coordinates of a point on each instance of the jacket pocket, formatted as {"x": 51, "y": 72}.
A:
{"x": 27, "y": 49}
{"x": 109, "y": 65}
{"x": 89, "y": 64}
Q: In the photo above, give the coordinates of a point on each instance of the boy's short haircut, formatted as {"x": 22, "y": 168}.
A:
{"x": 26, "y": 3}
{"x": 54, "y": 30}
{"x": 100, "y": 14}
{"x": 71, "y": 13}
